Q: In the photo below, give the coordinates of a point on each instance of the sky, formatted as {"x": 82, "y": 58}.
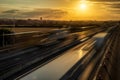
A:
{"x": 61, "y": 9}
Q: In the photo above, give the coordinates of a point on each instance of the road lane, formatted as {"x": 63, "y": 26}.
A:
{"x": 55, "y": 69}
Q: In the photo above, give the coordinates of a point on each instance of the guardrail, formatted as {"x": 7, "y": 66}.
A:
{"x": 103, "y": 70}
{"x": 78, "y": 69}
{"x": 24, "y": 39}
{"x": 17, "y": 40}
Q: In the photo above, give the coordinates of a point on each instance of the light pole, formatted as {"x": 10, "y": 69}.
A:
{"x": 3, "y": 39}
{"x": 13, "y": 30}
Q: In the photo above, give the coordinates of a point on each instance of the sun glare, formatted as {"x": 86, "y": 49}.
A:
{"x": 83, "y": 6}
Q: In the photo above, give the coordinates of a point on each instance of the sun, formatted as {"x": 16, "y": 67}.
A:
{"x": 83, "y": 6}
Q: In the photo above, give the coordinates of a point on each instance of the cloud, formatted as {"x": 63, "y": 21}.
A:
{"x": 114, "y": 5}
{"x": 47, "y": 13}
{"x": 105, "y": 0}
{"x": 36, "y": 13}
{"x": 11, "y": 11}
{"x": 116, "y": 11}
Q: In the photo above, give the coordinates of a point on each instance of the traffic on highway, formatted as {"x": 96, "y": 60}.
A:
{"x": 58, "y": 53}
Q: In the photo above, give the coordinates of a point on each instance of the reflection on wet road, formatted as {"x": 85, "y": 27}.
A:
{"x": 55, "y": 69}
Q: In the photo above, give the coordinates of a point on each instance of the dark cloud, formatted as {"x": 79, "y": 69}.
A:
{"x": 105, "y": 0}
{"x": 36, "y": 13}
{"x": 11, "y": 11}
{"x": 46, "y": 13}
{"x": 114, "y": 5}
{"x": 116, "y": 11}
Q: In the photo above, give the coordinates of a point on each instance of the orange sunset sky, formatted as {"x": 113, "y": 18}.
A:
{"x": 61, "y": 9}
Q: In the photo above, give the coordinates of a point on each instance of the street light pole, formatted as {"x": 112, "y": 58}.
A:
{"x": 13, "y": 30}
{"x": 3, "y": 40}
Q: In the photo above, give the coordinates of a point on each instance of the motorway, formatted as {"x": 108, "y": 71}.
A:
{"x": 58, "y": 64}
{"x": 55, "y": 69}
{"x": 17, "y": 62}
